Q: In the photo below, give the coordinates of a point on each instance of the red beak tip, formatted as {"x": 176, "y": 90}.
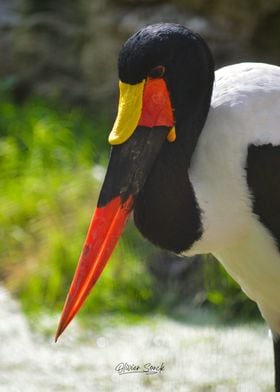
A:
{"x": 60, "y": 329}
{"x": 57, "y": 335}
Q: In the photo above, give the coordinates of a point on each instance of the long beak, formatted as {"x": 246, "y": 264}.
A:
{"x": 129, "y": 166}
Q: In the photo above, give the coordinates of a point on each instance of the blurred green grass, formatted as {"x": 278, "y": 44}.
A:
{"x": 48, "y": 157}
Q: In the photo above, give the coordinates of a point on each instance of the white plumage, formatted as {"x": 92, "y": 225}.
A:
{"x": 245, "y": 110}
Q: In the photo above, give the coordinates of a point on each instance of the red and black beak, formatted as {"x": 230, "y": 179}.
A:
{"x": 130, "y": 164}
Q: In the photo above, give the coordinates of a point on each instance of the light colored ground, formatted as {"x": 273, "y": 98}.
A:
{"x": 195, "y": 358}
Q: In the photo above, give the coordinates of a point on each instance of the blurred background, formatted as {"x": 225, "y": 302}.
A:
{"x": 58, "y": 99}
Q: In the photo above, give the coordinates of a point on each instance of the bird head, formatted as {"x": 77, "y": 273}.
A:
{"x": 165, "y": 81}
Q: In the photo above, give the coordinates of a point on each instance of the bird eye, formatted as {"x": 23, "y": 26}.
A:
{"x": 157, "y": 72}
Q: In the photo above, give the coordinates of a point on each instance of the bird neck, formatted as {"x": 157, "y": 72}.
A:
{"x": 166, "y": 211}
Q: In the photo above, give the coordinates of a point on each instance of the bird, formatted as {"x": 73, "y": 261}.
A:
{"x": 195, "y": 158}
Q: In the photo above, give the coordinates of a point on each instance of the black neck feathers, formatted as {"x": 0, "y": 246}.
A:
{"x": 166, "y": 211}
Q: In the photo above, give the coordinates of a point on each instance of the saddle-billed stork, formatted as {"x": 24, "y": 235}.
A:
{"x": 196, "y": 158}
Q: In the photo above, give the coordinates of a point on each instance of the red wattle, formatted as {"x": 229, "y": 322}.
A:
{"x": 156, "y": 105}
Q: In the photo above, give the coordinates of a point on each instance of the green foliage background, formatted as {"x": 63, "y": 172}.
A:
{"x": 47, "y": 156}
